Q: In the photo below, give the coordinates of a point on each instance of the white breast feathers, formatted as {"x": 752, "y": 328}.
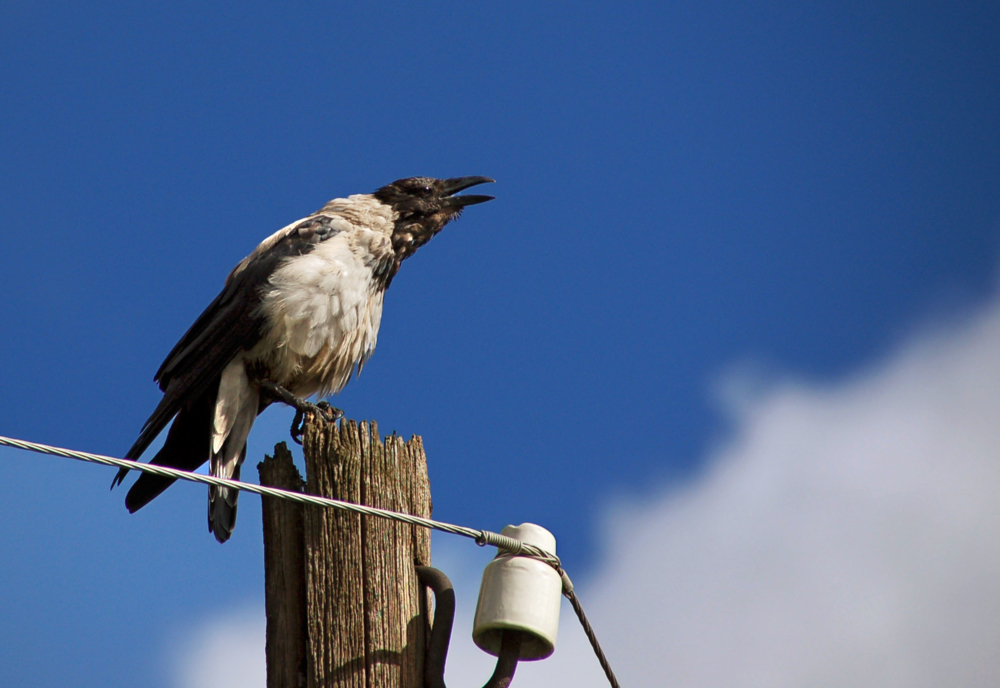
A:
{"x": 324, "y": 310}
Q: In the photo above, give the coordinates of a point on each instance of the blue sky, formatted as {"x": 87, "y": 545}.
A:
{"x": 683, "y": 190}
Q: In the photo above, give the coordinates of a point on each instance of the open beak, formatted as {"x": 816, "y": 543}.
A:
{"x": 453, "y": 186}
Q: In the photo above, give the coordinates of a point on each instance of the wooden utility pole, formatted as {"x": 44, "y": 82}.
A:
{"x": 343, "y": 603}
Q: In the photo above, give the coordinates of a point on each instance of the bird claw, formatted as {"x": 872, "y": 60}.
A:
{"x": 331, "y": 414}
{"x": 322, "y": 409}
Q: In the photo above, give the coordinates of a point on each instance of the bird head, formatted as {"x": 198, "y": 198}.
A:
{"x": 424, "y": 206}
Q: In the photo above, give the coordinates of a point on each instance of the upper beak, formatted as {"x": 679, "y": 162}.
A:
{"x": 453, "y": 186}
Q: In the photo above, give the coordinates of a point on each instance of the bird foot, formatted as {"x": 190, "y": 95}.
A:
{"x": 322, "y": 409}
{"x": 302, "y": 407}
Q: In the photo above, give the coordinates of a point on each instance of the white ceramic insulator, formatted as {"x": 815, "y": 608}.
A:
{"x": 520, "y": 594}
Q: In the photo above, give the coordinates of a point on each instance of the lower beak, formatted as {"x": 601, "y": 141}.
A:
{"x": 453, "y": 186}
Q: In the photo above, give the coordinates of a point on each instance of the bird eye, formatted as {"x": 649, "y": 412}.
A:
{"x": 426, "y": 190}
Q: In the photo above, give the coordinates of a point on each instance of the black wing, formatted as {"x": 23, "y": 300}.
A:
{"x": 232, "y": 323}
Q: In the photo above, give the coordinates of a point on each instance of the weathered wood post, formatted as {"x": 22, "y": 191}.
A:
{"x": 344, "y": 607}
{"x": 284, "y": 573}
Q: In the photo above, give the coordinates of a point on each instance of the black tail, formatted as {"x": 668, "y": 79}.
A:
{"x": 222, "y": 503}
{"x": 187, "y": 447}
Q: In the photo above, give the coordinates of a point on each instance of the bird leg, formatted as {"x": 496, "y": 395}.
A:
{"x": 302, "y": 407}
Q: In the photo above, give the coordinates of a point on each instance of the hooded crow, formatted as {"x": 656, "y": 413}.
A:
{"x": 297, "y": 317}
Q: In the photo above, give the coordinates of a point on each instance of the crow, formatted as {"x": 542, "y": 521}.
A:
{"x": 297, "y": 317}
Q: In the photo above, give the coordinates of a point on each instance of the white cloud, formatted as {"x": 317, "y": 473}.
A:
{"x": 845, "y": 535}
{"x": 227, "y": 650}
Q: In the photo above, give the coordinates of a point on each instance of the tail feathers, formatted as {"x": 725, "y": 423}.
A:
{"x": 187, "y": 447}
{"x": 213, "y": 428}
{"x": 235, "y": 411}
{"x": 222, "y": 503}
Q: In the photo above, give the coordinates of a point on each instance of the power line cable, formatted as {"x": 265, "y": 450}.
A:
{"x": 481, "y": 537}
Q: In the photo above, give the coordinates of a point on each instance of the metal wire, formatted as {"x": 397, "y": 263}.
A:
{"x": 482, "y": 537}
{"x": 591, "y": 636}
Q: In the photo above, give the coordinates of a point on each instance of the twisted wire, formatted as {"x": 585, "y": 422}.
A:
{"x": 481, "y": 537}
{"x": 591, "y": 635}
